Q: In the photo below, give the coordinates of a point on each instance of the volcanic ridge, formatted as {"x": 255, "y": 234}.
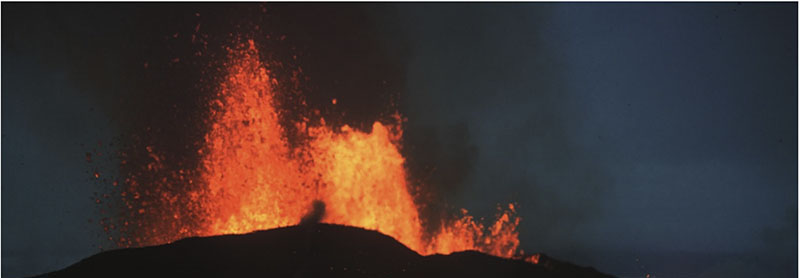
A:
{"x": 308, "y": 250}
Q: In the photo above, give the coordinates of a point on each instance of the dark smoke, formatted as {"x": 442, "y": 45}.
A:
{"x": 316, "y": 213}
{"x": 490, "y": 121}
{"x": 439, "y": 160}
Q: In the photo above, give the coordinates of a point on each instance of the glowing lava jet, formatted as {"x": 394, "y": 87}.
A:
{"x": 250, "y": 179}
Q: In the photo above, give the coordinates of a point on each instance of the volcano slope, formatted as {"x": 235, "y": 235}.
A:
{"x": 311, "y": 250}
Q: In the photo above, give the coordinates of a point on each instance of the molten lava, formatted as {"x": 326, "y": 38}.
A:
{"x": 250, "y": 179}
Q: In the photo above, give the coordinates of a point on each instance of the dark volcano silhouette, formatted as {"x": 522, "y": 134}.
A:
{"x": 311, "y": 250}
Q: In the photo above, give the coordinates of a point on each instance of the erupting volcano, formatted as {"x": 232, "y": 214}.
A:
{"x": 250, "y": 178}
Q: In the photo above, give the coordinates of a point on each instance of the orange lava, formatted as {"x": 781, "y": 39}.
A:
{"x": 363, "y": 183}
{"x": 251, "y": 179}
{"x": 534, "y": 259}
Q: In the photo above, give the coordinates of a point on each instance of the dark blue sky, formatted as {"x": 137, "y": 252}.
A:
{"x": 641, "y": 128}
{"x": 660, "y": 132}
{"x": 694, "y": 112}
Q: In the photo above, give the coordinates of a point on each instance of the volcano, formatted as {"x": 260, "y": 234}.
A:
{"x": 255, "y": 172}
{"x": 308, "y": 250}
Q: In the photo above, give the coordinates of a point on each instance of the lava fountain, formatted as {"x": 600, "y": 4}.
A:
{"x": 249, "y": 178}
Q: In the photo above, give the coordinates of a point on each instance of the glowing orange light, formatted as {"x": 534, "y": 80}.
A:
{"x": 252, "y": 180}
{"x": 534, "y": 259}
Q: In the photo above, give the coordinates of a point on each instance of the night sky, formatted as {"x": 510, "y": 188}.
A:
{"x": 635, "y": 138}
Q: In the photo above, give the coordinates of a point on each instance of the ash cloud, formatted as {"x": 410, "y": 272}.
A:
{"x": 489, "y": 121}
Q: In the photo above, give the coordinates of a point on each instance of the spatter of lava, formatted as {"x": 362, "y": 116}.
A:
{"x": 250, "y": 179}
